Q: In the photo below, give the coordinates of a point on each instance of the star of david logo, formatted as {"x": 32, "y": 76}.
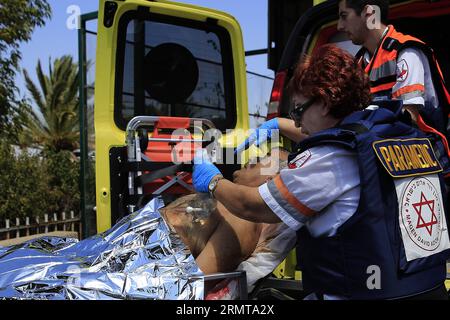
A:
{"x": 402, "y": 71}
{"x": 421, "y": 222}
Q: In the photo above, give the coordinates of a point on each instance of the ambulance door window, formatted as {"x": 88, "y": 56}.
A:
{"x": 174, "y": 67}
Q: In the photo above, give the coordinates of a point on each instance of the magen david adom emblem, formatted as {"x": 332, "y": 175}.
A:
{"x": 422, "y": 219}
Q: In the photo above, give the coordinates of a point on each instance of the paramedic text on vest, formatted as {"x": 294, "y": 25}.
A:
{"x": 362, "y": 196}
{"x": 399, "y": 66}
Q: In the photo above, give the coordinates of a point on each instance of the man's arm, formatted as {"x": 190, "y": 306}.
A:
{"x": 244, "y": 202}
{"x": 222, "y": 252}
{"x": 232, "y": 242}
{"x": 413, "y": 110}
{"x": 412, "y": 76}
{"x": 412, "y": 70}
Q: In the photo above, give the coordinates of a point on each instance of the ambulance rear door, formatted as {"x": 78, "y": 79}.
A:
{"x": 161, "y": 58}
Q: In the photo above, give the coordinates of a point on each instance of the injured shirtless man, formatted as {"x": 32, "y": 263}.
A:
{"x": 222, "y": 241}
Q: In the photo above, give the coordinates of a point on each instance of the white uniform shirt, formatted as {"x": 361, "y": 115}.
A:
{"x": 414, "y": 83}
{"x": 320, "y": 192}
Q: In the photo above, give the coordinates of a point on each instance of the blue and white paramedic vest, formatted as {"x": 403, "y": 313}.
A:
{"x": 396, "y": 244}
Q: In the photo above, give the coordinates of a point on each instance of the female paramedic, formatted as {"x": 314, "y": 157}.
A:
{"x": 363, "y": 190}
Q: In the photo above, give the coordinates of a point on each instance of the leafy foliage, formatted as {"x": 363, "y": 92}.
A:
{"x": 63, "y": 172}
{"x": 32, "y": 185}
{"x": 18, "y": 18}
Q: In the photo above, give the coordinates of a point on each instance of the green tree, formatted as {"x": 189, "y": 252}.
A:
{"x": 33, "y": 185}
{"x": 53, "y": 123}
{"x": 23, "y": 184}
{"x": 63, "y": 172}
{"x": 18, "y": 18}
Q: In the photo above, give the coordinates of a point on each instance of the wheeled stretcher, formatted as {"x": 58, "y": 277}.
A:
{"x": 157, "y": 160}
{"x": 161, "y": 165}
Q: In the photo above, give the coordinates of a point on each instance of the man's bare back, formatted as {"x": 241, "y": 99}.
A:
{"x": 218, "y": 244}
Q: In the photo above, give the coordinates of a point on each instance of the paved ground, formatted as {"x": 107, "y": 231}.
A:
{"x": 13, "y": 241}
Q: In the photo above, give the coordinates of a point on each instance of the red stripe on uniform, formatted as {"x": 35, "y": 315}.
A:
{"x": 289, "y": 197}
{"x": 408, "y": 89}
{"x": 382, "y": 87}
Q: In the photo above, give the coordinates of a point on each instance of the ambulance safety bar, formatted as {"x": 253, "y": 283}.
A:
{"x": 140, "y": 121}
{"x": 241, "y": 277}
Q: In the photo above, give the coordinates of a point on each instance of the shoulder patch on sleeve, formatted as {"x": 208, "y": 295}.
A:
{"x": 299, "y": 160}
{"x": 402, "y": 70}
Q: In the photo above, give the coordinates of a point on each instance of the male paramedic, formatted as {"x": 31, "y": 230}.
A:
{"x": 364, "y": 191}
{"x": 399, "y": 66}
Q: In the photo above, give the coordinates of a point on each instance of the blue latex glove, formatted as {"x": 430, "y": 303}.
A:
{"x": 259, "y": 135}
{"x": 203, "y": 171}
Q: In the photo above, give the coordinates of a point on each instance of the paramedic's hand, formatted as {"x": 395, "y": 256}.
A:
{"x": 259, "y": 135}
{"x": 203, "y": 172}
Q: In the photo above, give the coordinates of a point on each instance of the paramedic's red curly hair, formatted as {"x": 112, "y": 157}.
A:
{"x": 334, "y": 76}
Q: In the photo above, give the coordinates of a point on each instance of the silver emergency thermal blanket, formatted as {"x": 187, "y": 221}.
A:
{"x": 138, "y": 258}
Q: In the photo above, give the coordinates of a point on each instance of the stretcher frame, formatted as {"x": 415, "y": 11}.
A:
{"x": 136, "y": 156}
{"x": 137, "y": 162}
{"x": 240, "y": 276}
